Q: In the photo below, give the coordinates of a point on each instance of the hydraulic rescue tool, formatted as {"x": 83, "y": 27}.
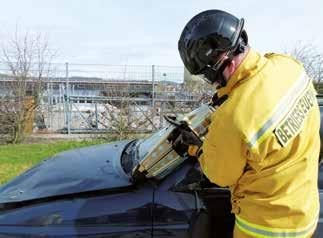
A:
{"x": 171, "y": 148}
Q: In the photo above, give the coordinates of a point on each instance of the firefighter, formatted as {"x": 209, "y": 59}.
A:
{"x": 263, "y": 141}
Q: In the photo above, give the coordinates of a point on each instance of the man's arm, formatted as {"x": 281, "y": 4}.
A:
{"x": 224, "y": 154}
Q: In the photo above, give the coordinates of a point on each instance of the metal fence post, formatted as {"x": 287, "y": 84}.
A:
{"x": 153, "y": 93}
{"x": 50, "y": 106}
{"x": 153, "y": 85}
{"x": 68, "y": 103}
{"x": 96, "y": 116}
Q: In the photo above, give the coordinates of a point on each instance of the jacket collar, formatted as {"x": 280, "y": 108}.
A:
{"x": 251, "y": 64}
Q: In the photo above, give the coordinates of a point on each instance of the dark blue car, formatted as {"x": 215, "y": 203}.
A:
{"x": 138, "y": 188}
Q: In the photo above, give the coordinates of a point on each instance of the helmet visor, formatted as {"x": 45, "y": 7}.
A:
{"x": 209, "y": 70}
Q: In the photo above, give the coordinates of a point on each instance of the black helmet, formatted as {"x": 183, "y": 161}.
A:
{"x": 206, "y": 37}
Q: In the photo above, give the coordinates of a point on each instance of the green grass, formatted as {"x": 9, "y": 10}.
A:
{"x": 15, "y": 159}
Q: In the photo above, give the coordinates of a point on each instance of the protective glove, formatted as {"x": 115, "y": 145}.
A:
{"x": 185, "y": 142}
{"x": 194, "y": 151}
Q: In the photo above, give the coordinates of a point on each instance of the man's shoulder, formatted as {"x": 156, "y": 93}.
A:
{"x": 273, "y": 54}
{"x": 283, "y": 57}
{"x": 228, "y": 113}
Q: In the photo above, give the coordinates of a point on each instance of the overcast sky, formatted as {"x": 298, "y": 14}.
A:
{"x": 146, "y": 32}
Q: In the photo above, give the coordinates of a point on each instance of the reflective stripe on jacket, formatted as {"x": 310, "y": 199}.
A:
{"x": 264, "y": 143}
{"x": 255, "y": 230}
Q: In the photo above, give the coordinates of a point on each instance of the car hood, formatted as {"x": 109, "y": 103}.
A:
{"x": 81, "y": 170}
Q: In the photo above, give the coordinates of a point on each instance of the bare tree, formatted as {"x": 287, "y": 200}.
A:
{"x": 312, "y": 61}
{"x": 28, "y": 58}
{"x": 124, "y": 116}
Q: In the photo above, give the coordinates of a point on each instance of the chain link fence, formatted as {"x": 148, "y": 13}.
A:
{"x": 95, "y": 98}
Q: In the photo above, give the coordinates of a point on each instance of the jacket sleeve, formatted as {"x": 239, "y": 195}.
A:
{"x": 224, "y": 153}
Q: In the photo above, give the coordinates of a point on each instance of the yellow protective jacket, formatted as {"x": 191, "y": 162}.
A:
{"x": 263, "y": 142}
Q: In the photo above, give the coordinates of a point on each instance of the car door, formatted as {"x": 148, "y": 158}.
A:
{"x": 127, "y": 213}
{"x": 176, "y": 211}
